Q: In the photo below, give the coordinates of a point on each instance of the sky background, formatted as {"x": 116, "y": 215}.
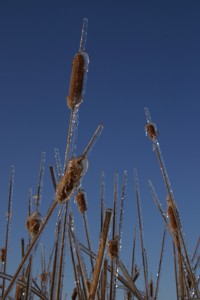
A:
{"x": 142, "y": 53}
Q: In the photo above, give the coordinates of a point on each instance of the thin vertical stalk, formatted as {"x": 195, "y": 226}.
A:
{"x": 98, "y": 266}
{"x": 8, "y": 222}
{"x": 60, "y": 269}
{"x": 175, "y": 271}
{"x": 144, "y": 262}
{"x": 74, "y": 267}
{"x": 160, "y": 263}
{"x": 88, "y": 238}
{"x": 53, "y": 273}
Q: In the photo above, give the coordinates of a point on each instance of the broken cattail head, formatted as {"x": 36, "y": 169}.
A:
{"x": 78, "y": 80}
{"x": 81, "y": 200}
{"x": 151, "y": 131}
{"x": 33, "y": 223}
{"x": 71, "y": 179}
{"x": 3, "y": 255}
{"x": 113, "y": 248}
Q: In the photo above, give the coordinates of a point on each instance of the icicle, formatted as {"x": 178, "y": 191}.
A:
{"x": 58, "y": 162}
{"x": 84, "y": 35}
{"x": 102, "y": 198}
{"x": 124, "y": 187}
{"x": 38, "y": 196}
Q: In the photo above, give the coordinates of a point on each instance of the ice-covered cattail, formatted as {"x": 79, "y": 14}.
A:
{"x": 151, "y": 131}
{"x": 170, "y": 213}
{"x": 71, "y": 179}
{"x": 113, "y": 248}
{"x": 81, "y": 200}
{"x": 78, "y": 80}
{"x": 33, "y": 223}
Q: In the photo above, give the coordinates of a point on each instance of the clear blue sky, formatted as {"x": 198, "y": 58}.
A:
{"x": 142, "y": 53}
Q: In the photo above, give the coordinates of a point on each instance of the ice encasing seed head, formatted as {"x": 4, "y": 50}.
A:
{"x": 81, "y": 200}
{"x": 71, "y": 179}
{"x": 78, "y": 78}
{"x": 151, "y": 130}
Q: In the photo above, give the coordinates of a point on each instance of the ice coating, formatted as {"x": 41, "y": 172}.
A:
{"x": 58, "y": 162}
{"x": 72, "y": 136}
{"x": 38, "y": 196}
{"x": 83, "y": 35}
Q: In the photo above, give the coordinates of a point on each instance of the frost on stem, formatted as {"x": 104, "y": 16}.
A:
{"x": 71, "y": 179}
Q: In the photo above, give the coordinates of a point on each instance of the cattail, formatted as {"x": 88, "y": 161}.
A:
{"x": 81, "y": 200}
{"x": 151, "y": 288}
{"x": 3, "y": 255}
{"x": 20, "y": 290}
{"x": 171, "y": 217}
{"x": 74, "y": 294}
{"x": 43, "y": 277}
{"x": 33, "y": 223}
{"x": 70, "y": 181}
{"x": 76, "y": 88}
{"x": 151, "y": 130}
{"x": 113, "y": 248}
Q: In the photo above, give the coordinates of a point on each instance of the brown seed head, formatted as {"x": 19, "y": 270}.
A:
{"x": 113, "y": 248}
{"x": 3, "y": 255}
{"x": 81, "y": 201}
{"x": 70, "y": 181}
{"x": 76, "y": 83}
{"x": 33, "y": 223}
{"x": 151, "y": 130}
{"x": 171, "y": 217}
